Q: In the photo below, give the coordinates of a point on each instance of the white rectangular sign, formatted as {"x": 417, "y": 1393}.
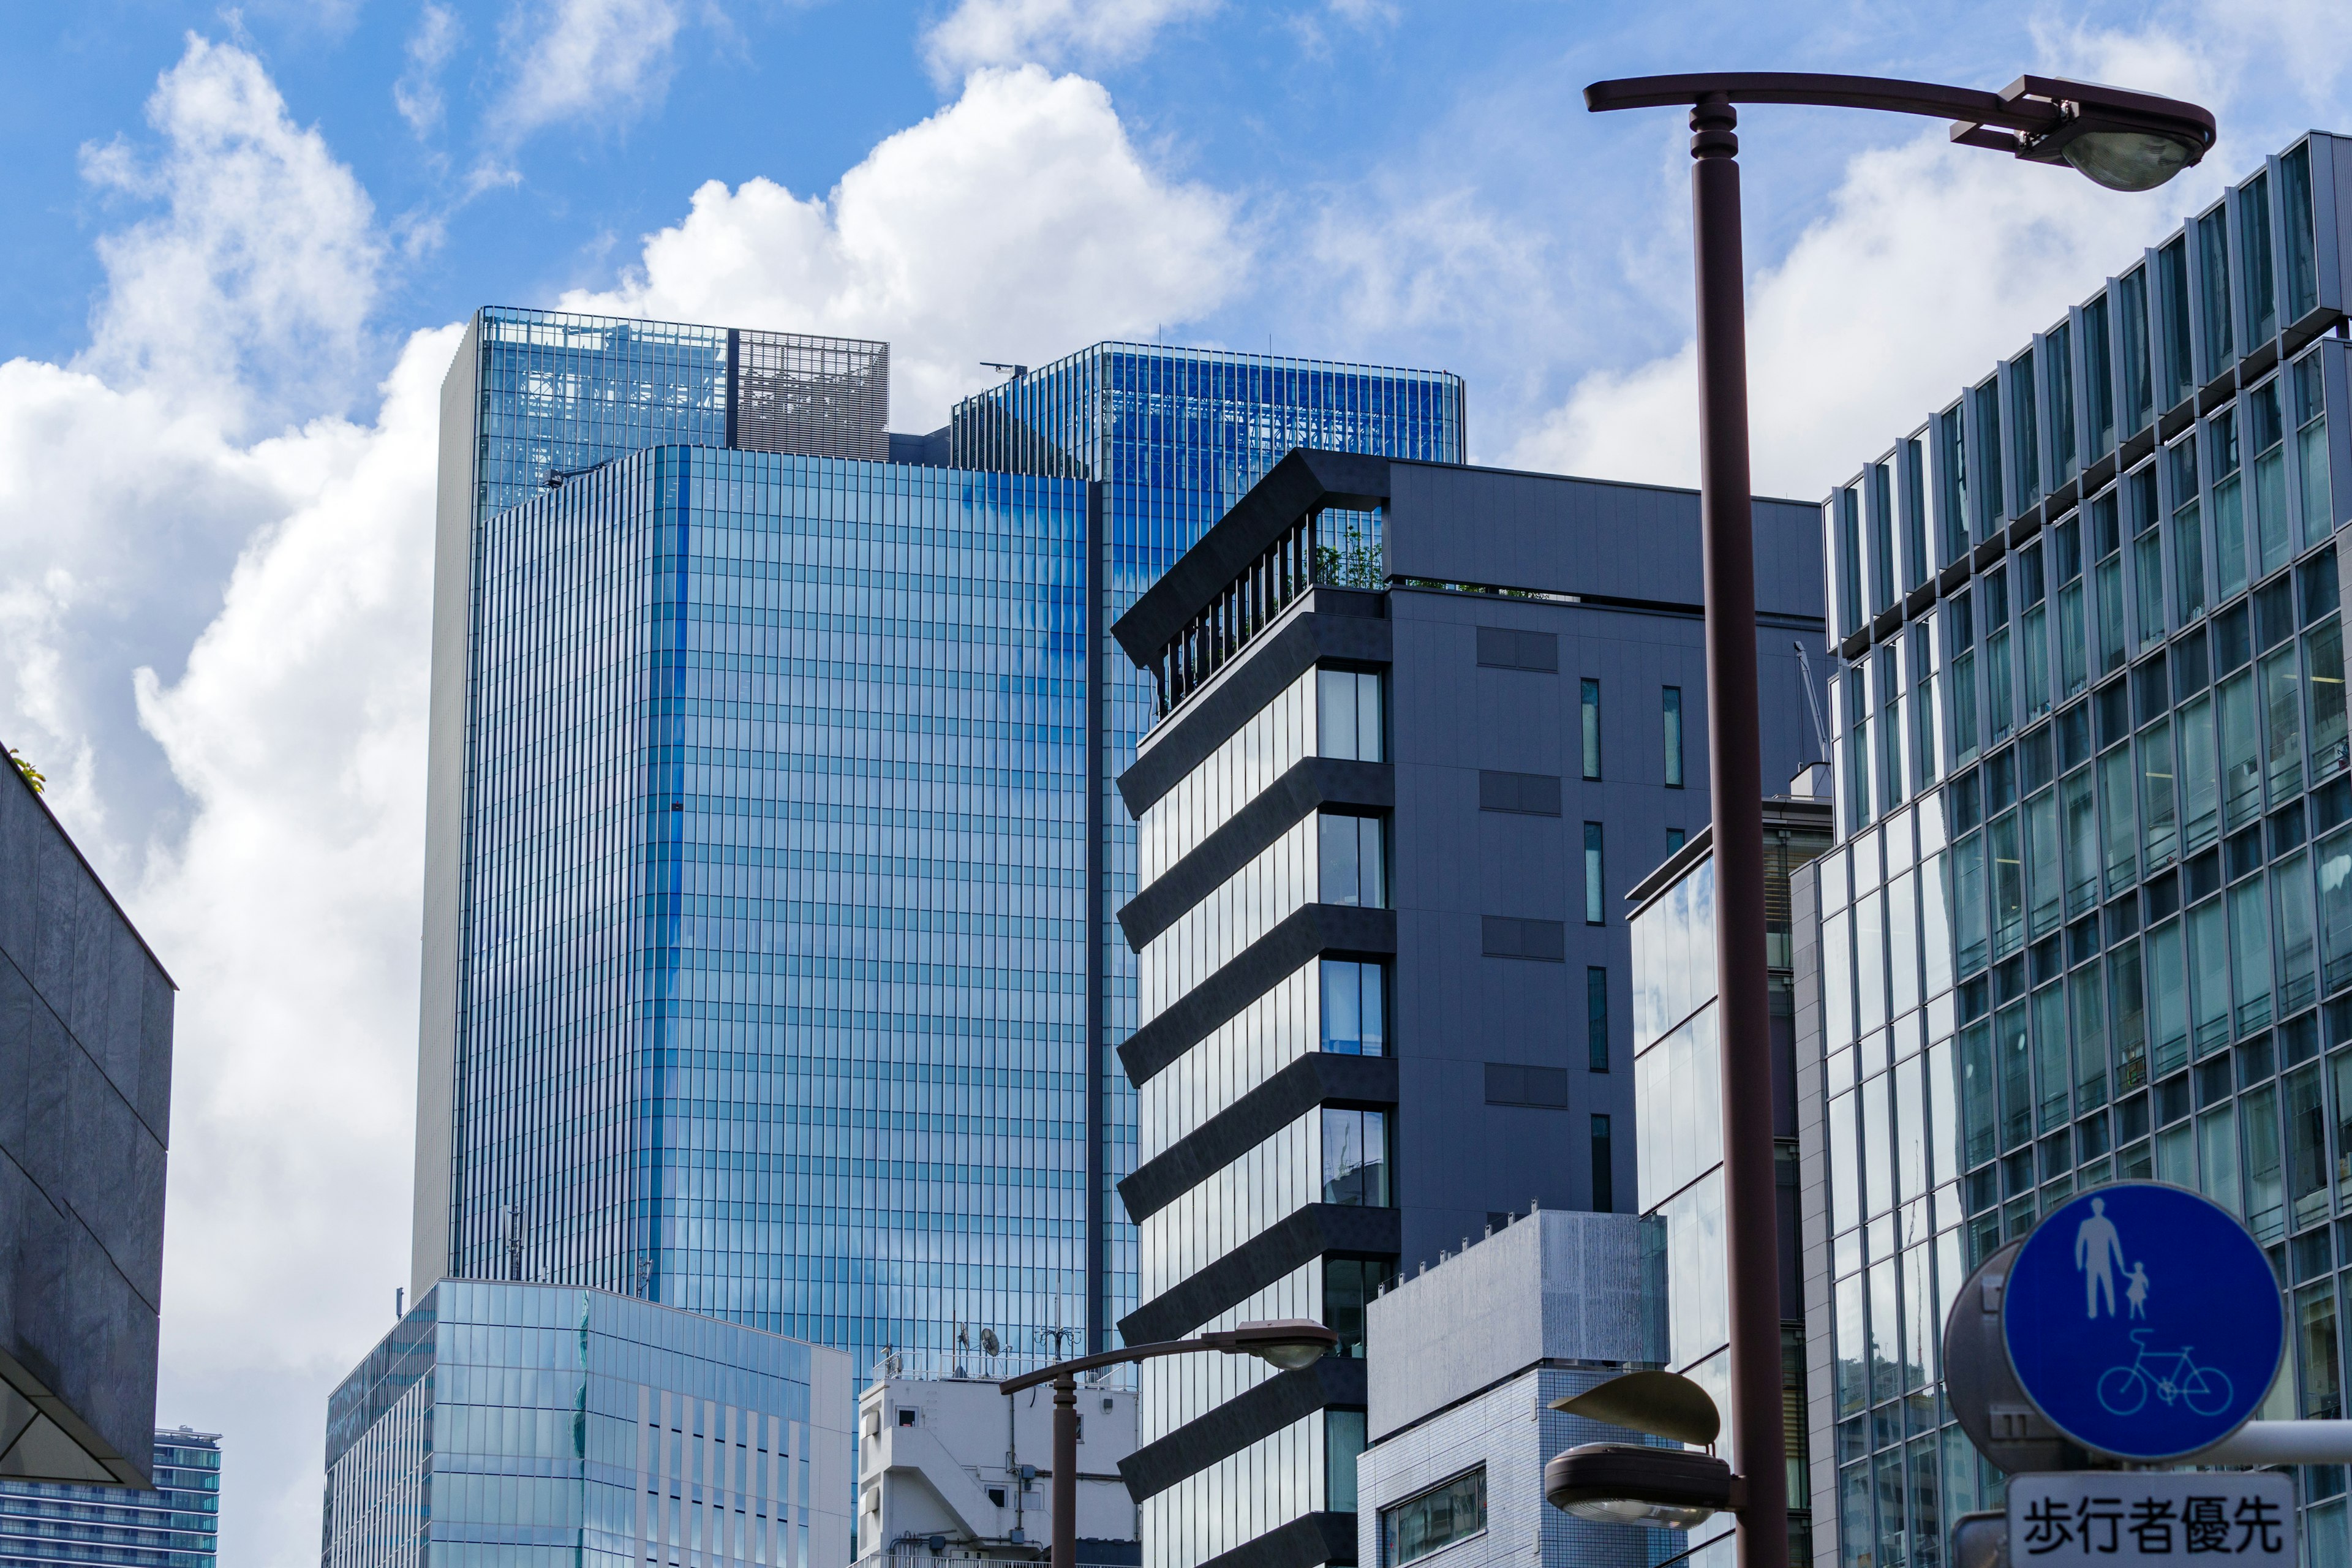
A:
{"x": 2076, "y": 1518}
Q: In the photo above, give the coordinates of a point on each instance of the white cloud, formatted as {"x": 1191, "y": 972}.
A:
{"x": 598, "y": 62}
{"x": 288, "y": 915}
{"x": 1015, "y": 224}
{"x": 1930, "y": 262}
{"x": 417, "y": 93}
{"x": 217, "y": 653}
{"x": 980, "y": 32}
{"x": 249, "y": 292}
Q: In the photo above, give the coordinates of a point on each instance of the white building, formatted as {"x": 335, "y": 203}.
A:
{"x": 951, "y": 1470}
{"x": 1464, "y": 1361}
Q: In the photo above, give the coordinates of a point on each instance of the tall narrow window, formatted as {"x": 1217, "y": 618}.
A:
{"x": 2172, "y": 315}
{"x": 2302, "y": 255}
{"x": 1353, "y": 871}
{"x": 2139, "y": 389}
{"x": 1595, "y": 910}
{"x": 2025, "y": 430}
{"x": 2058, "y": 375}
{"x": 1596, "y": 1018}
{"x": 1605, "y": 1183}
{"x": 1913, "y": 464}
{"x": 2189, "y": 534}
{"x": 2311, "y": 446}
{"x": 1356, "y": 1158}
{"x": 2213, "y": 289}
{"x": 1674, "y": 840}
{"x": 1591, "y": 706}
{"x": 1355, "y": 1008}
{"x": 1882, "y": 537}
{"x": 1951, "y": 488}
{"x": 2099, "y": 376}
{"x": 1984, "y": 414}
{"x": 2261, "y": 281}
{"x": 1670, "y": 702}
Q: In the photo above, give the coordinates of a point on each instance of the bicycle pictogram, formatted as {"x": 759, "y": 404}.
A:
{"x": 2172, "y": 1376}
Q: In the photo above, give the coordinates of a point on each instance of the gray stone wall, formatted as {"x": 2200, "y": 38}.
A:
{"x": 85, "y": 1112}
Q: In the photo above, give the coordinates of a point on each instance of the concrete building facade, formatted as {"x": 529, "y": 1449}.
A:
{"x": 1387, "y": 813}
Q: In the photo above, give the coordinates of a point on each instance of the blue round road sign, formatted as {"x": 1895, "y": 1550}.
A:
{"x": 2142, "y": 1320}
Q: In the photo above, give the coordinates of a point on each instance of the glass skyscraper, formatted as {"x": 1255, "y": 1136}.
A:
{"x": 175, "y": 1525}
{"x": 533, "y": 396}
{"x": 2090, "y": 916}
{"x": 533, "y": 1426}
{"x": 775, "y": 894}
{"x": 765, "y": 790}
{"x": 1173, "y": 436}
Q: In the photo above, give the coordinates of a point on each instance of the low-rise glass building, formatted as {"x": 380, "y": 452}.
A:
{"x": 1678, "y": 1122}
{"x": 173, "y": 1524}
{"x": 533, "y": 1425}
{"x": 2090, "y": 917}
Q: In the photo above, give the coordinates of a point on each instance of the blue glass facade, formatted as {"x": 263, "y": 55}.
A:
{"x": 2090, "y": 917}
{"x": 537, "y": 1425}
{"x": 177, "y": 1525}
{"x": 771, "y": 993}
{"x": 1173, "y": 436}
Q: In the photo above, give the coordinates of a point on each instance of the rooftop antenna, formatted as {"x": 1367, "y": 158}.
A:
{"x": 514, "y": 1241}
{"x": 399, "y": 1302}
{"x": 1812, "y": 703}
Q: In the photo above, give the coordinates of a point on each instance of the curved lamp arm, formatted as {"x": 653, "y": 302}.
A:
{"x": 2037, "y": 118}
{"x": 1282, "y": 1342}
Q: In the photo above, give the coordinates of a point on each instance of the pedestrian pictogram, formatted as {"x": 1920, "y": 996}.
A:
{"x": 2143, "y": 1322}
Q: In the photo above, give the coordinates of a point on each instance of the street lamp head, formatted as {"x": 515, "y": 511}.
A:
{"x": 1627, "y": 1483}
{"x": 2122, "y": 140}
{"x": 1290, "y": 1343}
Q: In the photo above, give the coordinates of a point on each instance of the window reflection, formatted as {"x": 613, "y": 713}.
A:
{"x": 1355, "y": 1158}
{"x": 1354, "y": 1007}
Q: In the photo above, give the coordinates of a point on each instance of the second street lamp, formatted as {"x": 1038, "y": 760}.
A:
{"x": 1291, "y": 1344}
{"x": 2124, "y": 140}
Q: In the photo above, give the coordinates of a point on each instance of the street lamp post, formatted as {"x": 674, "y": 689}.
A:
{"x": 2124, "y": 140}
{"x": 1290, "y": 1344}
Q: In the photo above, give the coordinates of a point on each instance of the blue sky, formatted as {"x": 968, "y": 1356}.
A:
{"x": 239, "y": 236}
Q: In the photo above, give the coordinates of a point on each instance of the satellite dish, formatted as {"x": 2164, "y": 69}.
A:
{"x": 988, "y": 1344}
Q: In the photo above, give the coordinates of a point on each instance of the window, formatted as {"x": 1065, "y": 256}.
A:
{"x": 2139, "y": 391}
{"x": 2188, "y": 531}
{"x": 1984, "y": 415}
{"x": 906, "y": 1418}
{"x": 2311, "y": 442}
{"x": 1355, "y": 1158}
{"x": 1674, "y": 840}
{"x": 1343, "y": 1440}
{"x": 2254, "y": 239}
{"x": 1355, "y": 1007}
{"x": 1670, "y": 702}
{"x": 2213, "y": 280}
{"x": 1591, "y": 707}
{"x": 1846, "y": 506}
{"x": 1352, "y": 869}
{"x": 1952, "y": 488}
{"x": 1348, "y": 715}
{"x": 1349, "y": 1284}
{"x": 1502, "y": 647}
{"x": 1605, "y": 1193}
{"x": 1594, "y": 910}
{"x": 1450, "y": 1512}
{"x": 1596, "y": 1018}
{"x": 2172, "y": 317}
{"x": 2025, "y": 457}
{"x": 1512, "y": 1083}
{"x": 2099, "y": 376}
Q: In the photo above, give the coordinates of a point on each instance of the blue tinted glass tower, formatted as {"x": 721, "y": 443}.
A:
{"x": 1173, "y": 436}
{"x": 767, "y": 815}
{"x": 174, "y": 1524}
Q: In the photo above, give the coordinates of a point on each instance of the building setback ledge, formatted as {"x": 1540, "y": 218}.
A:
{"x": 1315, "y": 1079}
{"x": 1303, "y": 1542}
{"x": 1307, "y": 786}
{"x": 1239, "y": 1422}
{"x": 1306, "y": 930}
{"x": 1306, "y": 1234}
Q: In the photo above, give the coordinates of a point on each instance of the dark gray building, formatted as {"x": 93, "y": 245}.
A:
{"x": 85, "y": 1108}
{"x": 1388, "y": 811}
